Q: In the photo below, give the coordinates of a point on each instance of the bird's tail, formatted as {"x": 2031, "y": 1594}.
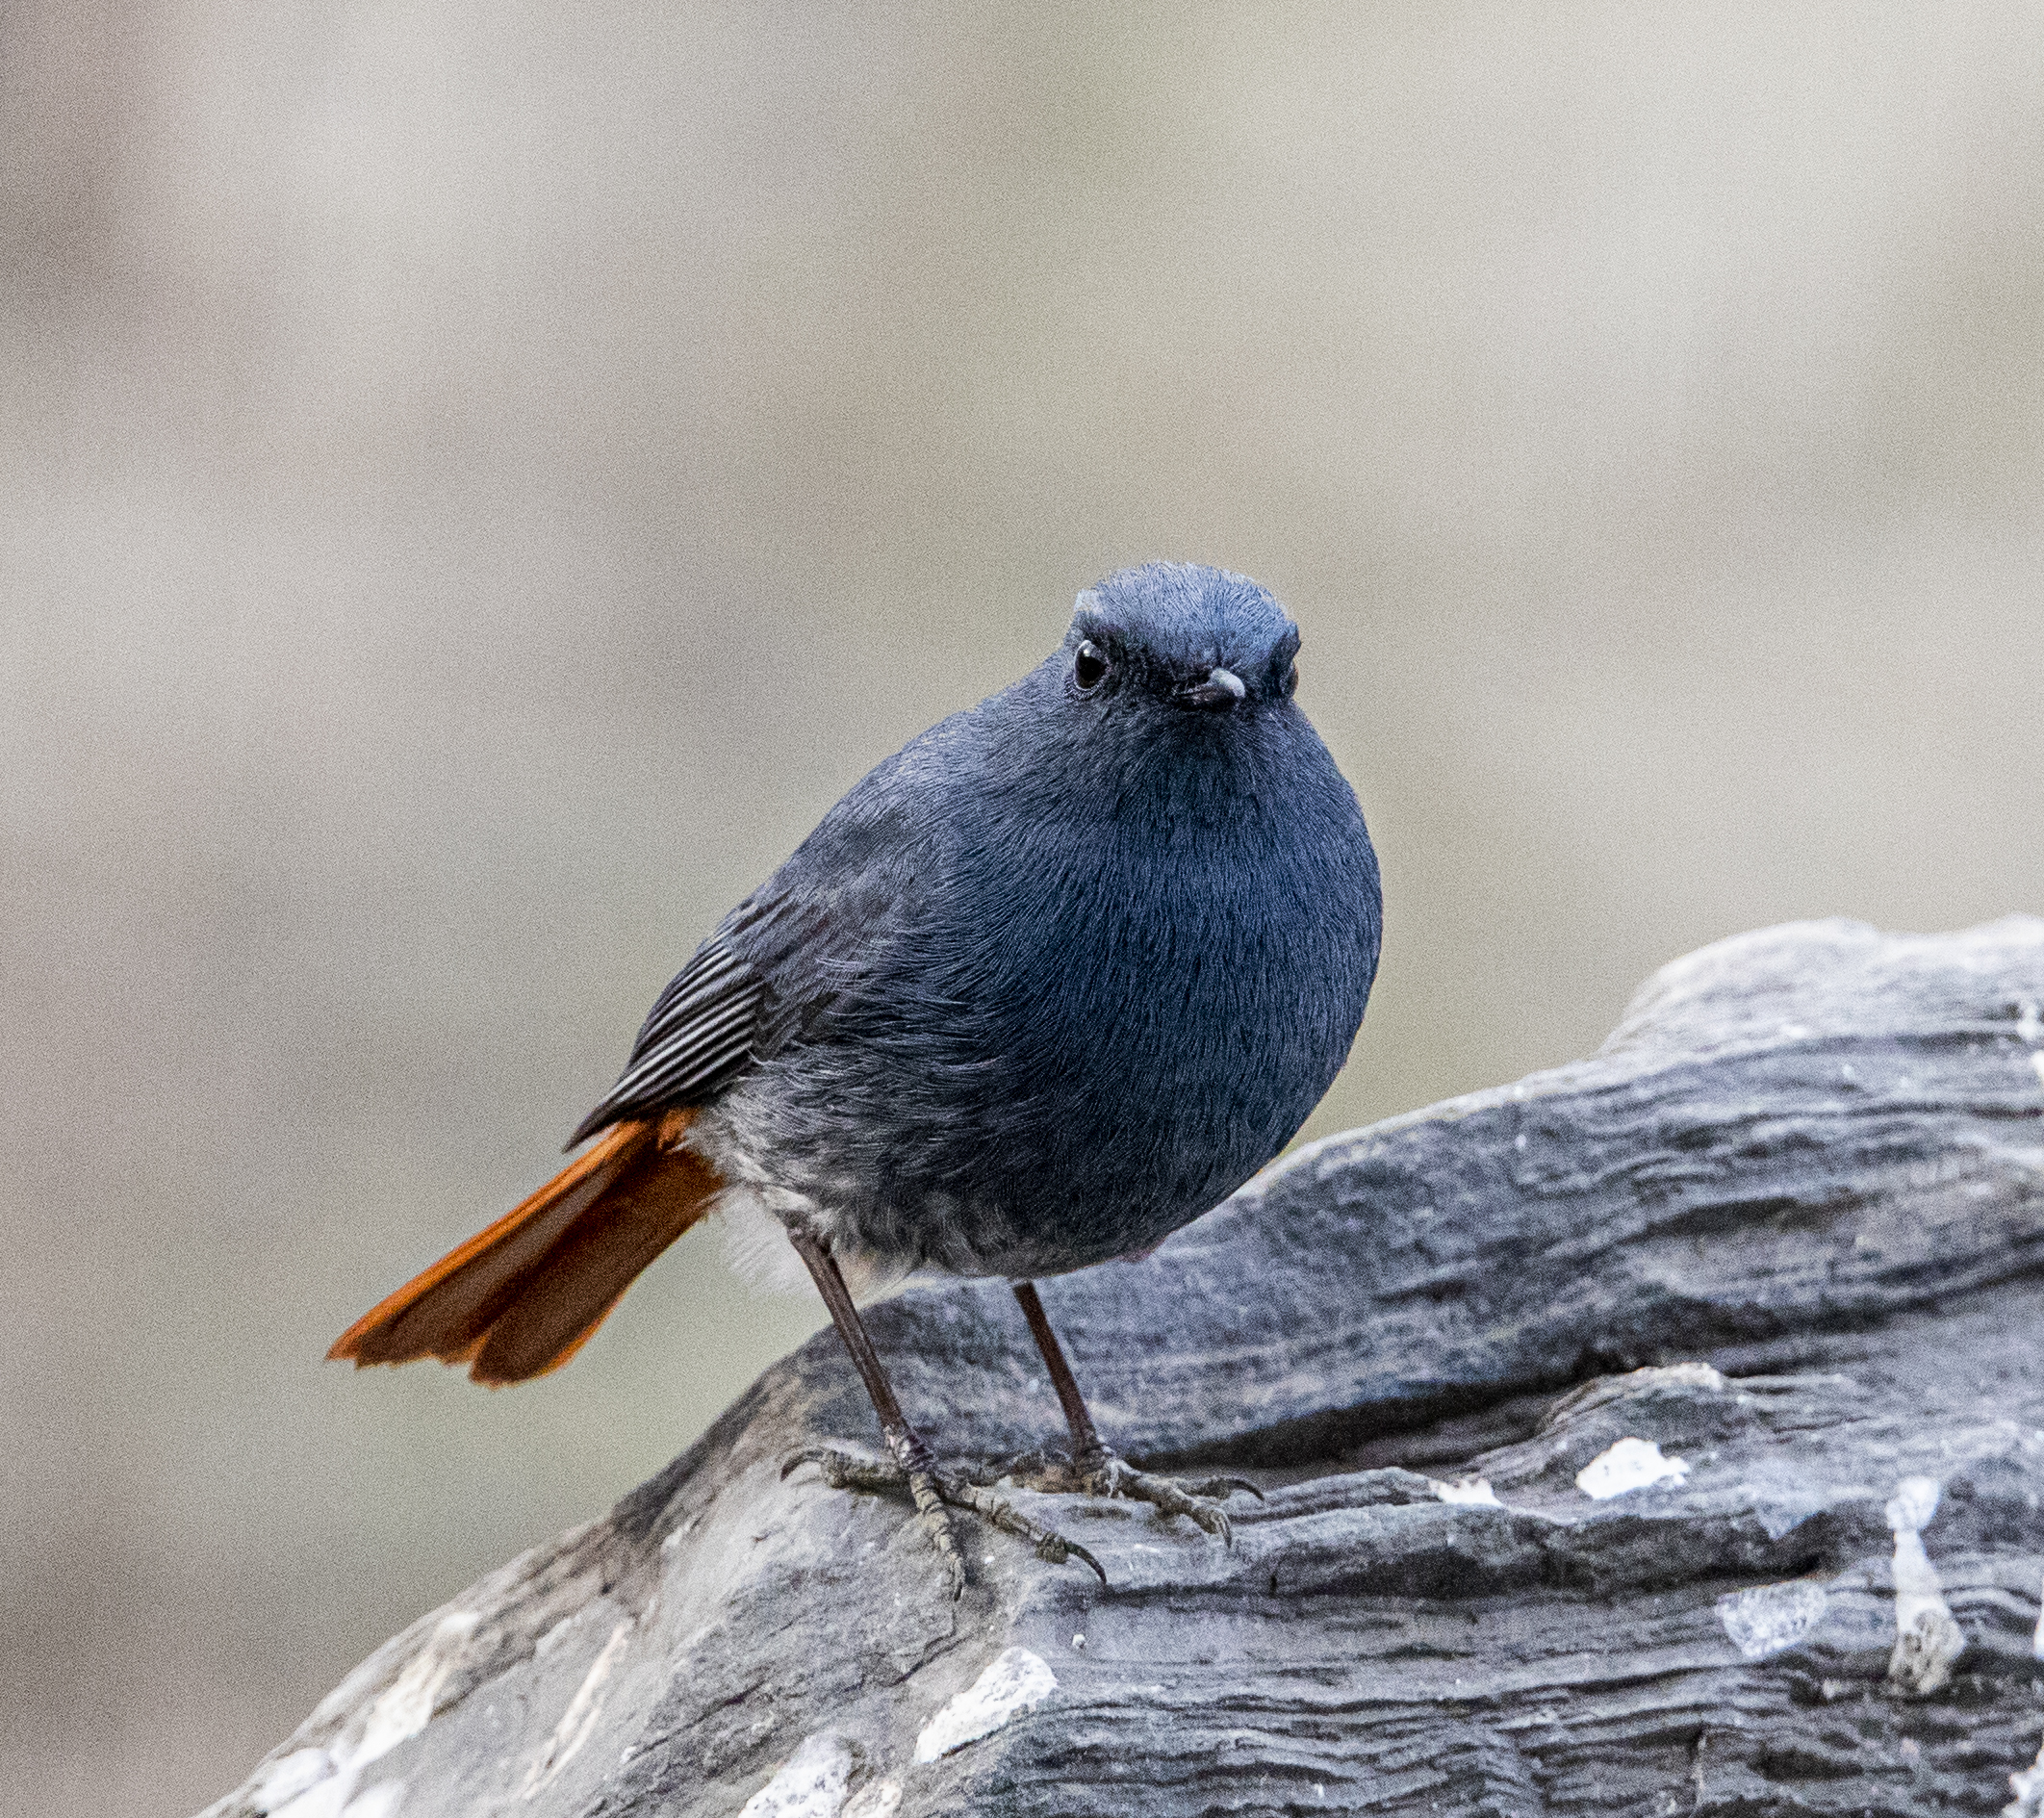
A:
{"x": 520, "y": 1298}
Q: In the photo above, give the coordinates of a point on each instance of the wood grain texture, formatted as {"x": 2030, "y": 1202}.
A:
{"x": 1787, "y": 1226}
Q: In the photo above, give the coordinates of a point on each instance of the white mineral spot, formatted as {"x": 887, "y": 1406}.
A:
{"x": 326, "y": 1800}
{"x": 395, "y": 1714}
{"x": 1693, "y": 1374}
{"x": 1772, "y": 1616}
{"x": 1632, "y": 1464}
{"x": 283, "y": 1780}
{"x": 2029, "y": 1789}
{"x": 810, "y": 1784}
{"x": 580, "y": 1716}
{"x": 1914, "y": 1503}
{"x": 881, "y": 1800}
{"x": 1927, "y": 1637}
{"x": 2029, "y": 1024}
{"x": 1014, "y": 1682}
{"x": 1476, "y": 1489}
{"x": 406, "y": 1707}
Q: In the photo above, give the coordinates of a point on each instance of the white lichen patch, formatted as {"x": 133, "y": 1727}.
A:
{"x": 1771, "y": 1617}
{"x": 580, "y": 1716}
{"x": 1927, "y": 1637}
{"x": 1632, "y": 1464}
{"x": 810, "y": 1784}
{"x": 395, "y": 1714}
{"x": 881, "y": 1800}
{"x": 1014, "y": 1682}
{"x": 1469, "y": 1490}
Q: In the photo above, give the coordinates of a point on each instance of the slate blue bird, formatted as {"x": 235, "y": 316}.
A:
{"x": 1045, "y": 986}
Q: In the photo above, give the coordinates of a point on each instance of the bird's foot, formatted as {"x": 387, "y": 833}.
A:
{"x": 1102, "y": 1473}
{"x": 914, "y": 1473}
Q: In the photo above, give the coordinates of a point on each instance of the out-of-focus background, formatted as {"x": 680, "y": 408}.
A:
{"x": 481, "y": 479}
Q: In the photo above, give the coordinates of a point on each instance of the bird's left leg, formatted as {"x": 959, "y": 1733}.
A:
{"x": 1102, "y": 1472}
{"x": 933, "y": 1491}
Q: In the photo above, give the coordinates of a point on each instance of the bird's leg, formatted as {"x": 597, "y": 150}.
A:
{"x": 1103, "y": 1472}
{"x": 914, "y": 1469}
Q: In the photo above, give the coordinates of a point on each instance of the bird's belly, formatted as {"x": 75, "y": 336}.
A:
{"x": 1021, "y": 1158}
{"x": 1140, "y": 1026}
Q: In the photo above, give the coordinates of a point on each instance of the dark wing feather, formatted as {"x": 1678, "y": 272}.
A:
{"x": 787, "y": 960}
{"x": 695, "y": 1041}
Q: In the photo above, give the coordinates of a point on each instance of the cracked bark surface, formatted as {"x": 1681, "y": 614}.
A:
{"x": 1775, "y": 1256}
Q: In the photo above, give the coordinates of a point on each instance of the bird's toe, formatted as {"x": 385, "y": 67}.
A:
{"x": 935, "y": 1494}
{"x": 1112, "y": 1475}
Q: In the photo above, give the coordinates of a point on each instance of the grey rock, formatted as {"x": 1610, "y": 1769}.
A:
{"x": 1775, "y": 1256}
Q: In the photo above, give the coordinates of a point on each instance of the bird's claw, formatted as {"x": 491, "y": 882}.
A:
{"x": 935, "y": 1493}
{"x": 848, "y": 1470}
{"x": 1048, "y": 1545}
{"x": 1107, "y": 1473}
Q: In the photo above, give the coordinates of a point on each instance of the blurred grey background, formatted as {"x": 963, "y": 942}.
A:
{"x": 480, "y": 481}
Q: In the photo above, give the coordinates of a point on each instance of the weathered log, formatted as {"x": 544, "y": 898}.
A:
{"x": 1661, "y": 1434}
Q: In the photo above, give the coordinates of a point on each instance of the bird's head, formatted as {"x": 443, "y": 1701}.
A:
{"x": 1198, "y": 640}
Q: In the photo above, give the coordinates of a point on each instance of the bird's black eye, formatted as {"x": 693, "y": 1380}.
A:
{"x": 1292, "y": 680}
{"x": 1088, "y": 667}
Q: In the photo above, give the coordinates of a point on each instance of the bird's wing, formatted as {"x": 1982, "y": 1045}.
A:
{"x": 791, "y": 954}
{"x": 696, "y": 1040}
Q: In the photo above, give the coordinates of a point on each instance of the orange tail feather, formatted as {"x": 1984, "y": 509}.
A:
{"x": 520, "y": 1298}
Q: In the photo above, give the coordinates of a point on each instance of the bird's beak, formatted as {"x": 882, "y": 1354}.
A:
{"x": 1223, "y": 688}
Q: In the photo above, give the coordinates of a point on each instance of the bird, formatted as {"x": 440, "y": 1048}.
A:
{"x": 1044, "y": 987}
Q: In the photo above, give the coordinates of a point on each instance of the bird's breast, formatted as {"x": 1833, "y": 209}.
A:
{"x": 1099, "y": 1025}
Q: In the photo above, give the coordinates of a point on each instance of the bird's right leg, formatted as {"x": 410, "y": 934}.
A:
{"x": 914, "y": 1469}
{"x": 1103, "y": 1470}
